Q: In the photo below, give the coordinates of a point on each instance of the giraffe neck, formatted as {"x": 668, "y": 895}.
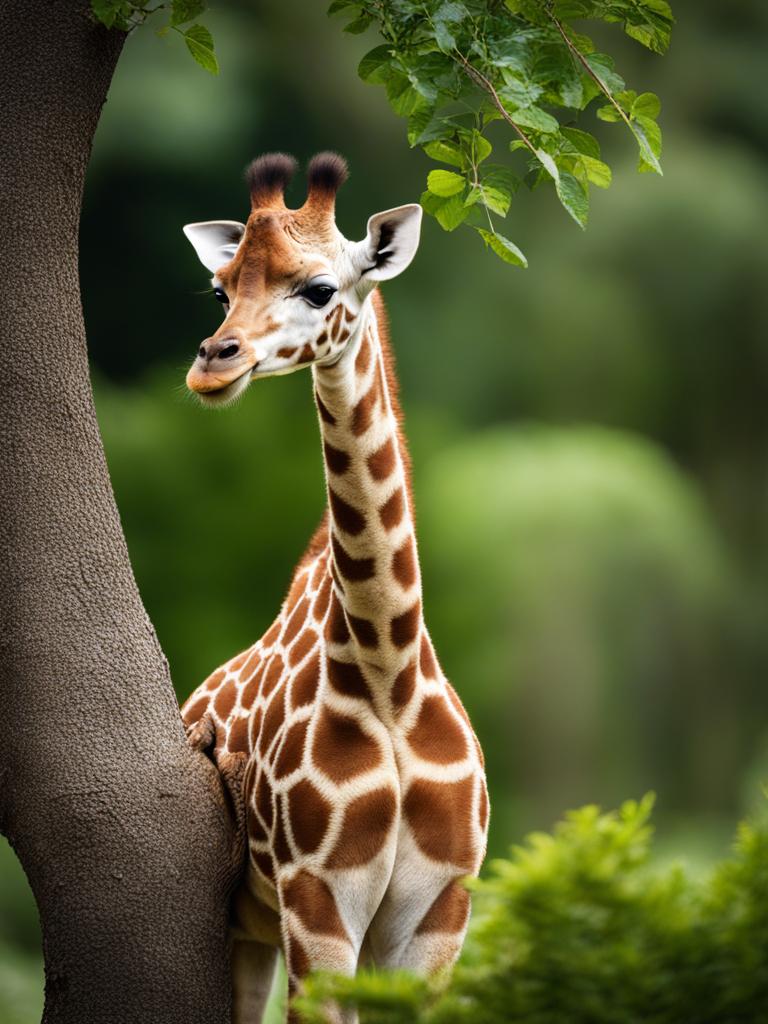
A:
{"x": 377, "y": 583}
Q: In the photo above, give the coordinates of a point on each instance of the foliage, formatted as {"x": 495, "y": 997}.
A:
{"x": 128, "y": 14}
{"x": 455, "y": 67}
{"x": 577, "y": 926}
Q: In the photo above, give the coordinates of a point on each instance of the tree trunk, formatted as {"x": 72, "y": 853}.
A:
{"x": 123, "y": 832}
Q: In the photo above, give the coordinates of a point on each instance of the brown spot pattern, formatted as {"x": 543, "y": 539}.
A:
{"x": 305, "y": 683}
{"x": 345, "y": 677}
{"x": 296, "y": 621}
{"x": 367, "y": 822}
{"x": 302, "y": 647}
{"x": 280, "y": 847}
{"x": 439, "y": 814}
{"x": 273, "y": 719}
{"x": 336, "y": 627}
{"x": 391, "y": 512}
{"x": 213, "y": 681}
{"x": 272, "y": 675}
{"x": 404, "y": 564}
{"x": 263, "y": 862}
{"x": 449, "y": 912}
{"x": 325, "y": 415}
{"x": 363, "y": 357}
{"x": 348, "y": 518}
{"x": 310, "y": 898}
{"x": 437, "y": 736}
{"x": 356, "y": 570}
{"x": 194, "y": 712}
{"x": 289, "y": 758}
{"x": 382, "y": 462}
{"x": 272, "y": 634}
{"x": 237, "y": 740}
{"x": 482, "y": 807}
{"x": 309, "y": 814}
{"x": 264, "y": 800}
{"x": 427, "y": 661}
{"x": 335, "y": 459}
{"x": 365, "y": 631}
{"x": 362, "y": 414}
{"x": 341, "y": 749}
{"x": 323, "y": 596}
{"x": 298, "y": 961}
{"x": 405, "y": 628}
{"x": 251, "y": 689}
{"x": 225, "y": 699}
{"x": 404, "y": 685}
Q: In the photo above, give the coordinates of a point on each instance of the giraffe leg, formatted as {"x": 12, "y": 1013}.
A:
{"x": 253, "y": 970}
{"x": 315, "y": 937}
{"x": 422, "y": 935}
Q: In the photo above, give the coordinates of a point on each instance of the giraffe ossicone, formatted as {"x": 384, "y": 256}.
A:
{"x": 364, "y": 791}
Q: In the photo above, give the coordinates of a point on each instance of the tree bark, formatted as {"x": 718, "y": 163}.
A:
{"x": 123, "y": 831}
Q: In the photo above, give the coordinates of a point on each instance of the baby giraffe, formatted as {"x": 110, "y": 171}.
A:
{"x": 364, "y": 793}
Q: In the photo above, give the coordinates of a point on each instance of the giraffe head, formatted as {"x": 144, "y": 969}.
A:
{"x": 291, "y": 285}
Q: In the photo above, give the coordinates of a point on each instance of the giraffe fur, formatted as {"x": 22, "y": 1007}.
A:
{"x": 359, "y": 776}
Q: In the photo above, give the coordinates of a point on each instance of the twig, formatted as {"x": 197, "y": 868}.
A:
{"x": 575, "y": 52}
{"x": 479, "y": 79}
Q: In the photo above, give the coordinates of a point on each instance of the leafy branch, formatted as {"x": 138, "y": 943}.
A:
{"x": 127, "y": 15}
{"x": 454, "y": 67}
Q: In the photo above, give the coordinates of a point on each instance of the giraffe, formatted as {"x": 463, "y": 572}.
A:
{"x": 362, "y": 785}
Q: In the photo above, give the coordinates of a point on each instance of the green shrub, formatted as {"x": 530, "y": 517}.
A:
{"x": 578, "y": 926}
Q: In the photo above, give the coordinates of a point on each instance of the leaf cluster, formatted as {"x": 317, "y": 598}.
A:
{"x": 126, "y": 15}
{"x": 579, "y": 926}
{"x": 456, "y": 68}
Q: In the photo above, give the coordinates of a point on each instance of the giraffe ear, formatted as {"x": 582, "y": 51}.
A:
{"x": 391, "y": 242}
{"x": 215, "y": 241}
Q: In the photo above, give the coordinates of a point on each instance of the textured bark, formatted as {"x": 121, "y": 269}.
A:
{"x": 122, "y": 830}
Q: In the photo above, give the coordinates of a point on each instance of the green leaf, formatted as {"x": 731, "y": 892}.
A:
{"x": 444, "y": 38}
{"x": 648, "y": 135}
{"x": 603, "y": 66}
{"x": 583, "y": 142}
{"x": 448, "y": 211}
{"x": 186, "y": 10}
{"x": 573, "y": 197}
{"x": 597, "y": 172}
{"x": 535, "y": 117}
{"x": 111, "y": 13}
{"x": 375, "y": 65}
{"x": 496, "y": 199}
{"x": 342, "y": 5}
{"x": 502, "y": 246}
{"x": 548, "y": 163}
{"x": 200, "y": 44}
{"x": 402, "y": 97}
{"x": 608, "y": 113}
{"x": 647, "y": 104}
{"x": 445, "y": 152}
{"x": 481, "y": 146}
{"x": 359, "y": 24}
{"x": 445, "y": 183}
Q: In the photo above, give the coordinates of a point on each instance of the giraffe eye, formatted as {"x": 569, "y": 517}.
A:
{"x": 318, "y": 294}
{"x": 220, "y": 294}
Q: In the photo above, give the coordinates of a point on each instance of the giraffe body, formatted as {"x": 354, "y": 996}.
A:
{"x": 364, "y": 788}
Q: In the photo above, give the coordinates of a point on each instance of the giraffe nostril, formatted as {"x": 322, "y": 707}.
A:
{"x": 229, "y": 351}
{"x": 201, "y": 352}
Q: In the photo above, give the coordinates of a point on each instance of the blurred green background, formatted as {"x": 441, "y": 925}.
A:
{"x": 590, "y": 436}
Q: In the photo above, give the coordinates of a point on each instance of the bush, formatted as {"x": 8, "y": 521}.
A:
{"x": 578, "y": 927}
